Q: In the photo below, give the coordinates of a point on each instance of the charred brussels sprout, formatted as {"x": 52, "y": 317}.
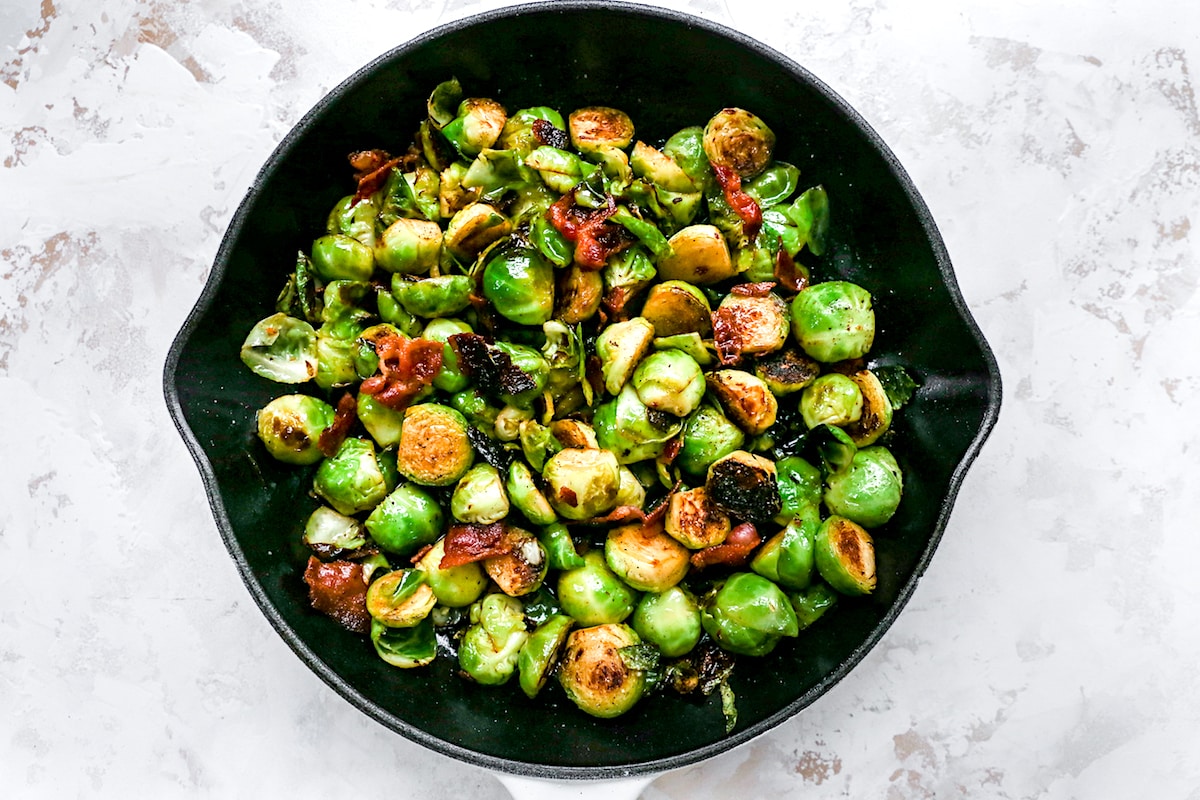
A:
{"x": 533, "y": 364}
{"x": 670, "y": 381}
{"x": 645, "y": 557}
{"x": 748, "y": 614}
{"x": 351, "y": 480}
{"x": 593, "y": 594}
{"x": 751, "y": 324}
{"x": 454, "y": 587}
{"x": 876, "y": 415}
{"x": 450, "y": 377}
{"x": 596, "y": 128}
{"x": 744, "y": 485}
{"x": 476, "y": 126}
{"x": 739, "y": 140}
{"x": 833, "y": 321}
{"x": 406, "y": 520}
{"x": 832, "y": 399}
{"x": 595, "y": 675}
{"x": 540, "y": 653}
{"x": 845, "y": 556}
{"x": 787, "y": 371}
{"x": 400, "y": 599}
{"x": 490, "y": 647}
{"x": 434, "y": 449}
{"x": 868, "y": 491}
{"x": 707, "y": 436}
{"x": 669, "y": 620}
{"x": 519, "y": 284}
{"x": 746, "y": 399}
{"x": 694, "y": 520}
{"x": 521, "y": 570}
{"x": 290, "y": 427}
{"x": 582, "y": 483}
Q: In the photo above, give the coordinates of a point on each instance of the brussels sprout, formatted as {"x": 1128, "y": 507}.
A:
{"x": 434, "y": 450}
{"x": 593, "y": 594}
{"x": 669, "y": 620}
{"x": 521, "y": 570}
{"x": 382, "y": 422}
{"x": 354, "y": 218}
{"x": 290, "y": 427}
{"x": 394, "y": 314}
{"x": 699, "y": 255}
{"x": 406, "y": 648}
{"x": 490, "y": 647}
{"x": 746, "y": 399}
{"x": 540, "y": 653}
{"x": 670, "y": 381}
{"x": 694, "y": 520}
{"x": 620, "y": 347}
{"x": 479, "y": 496}
{"x": 812, "y": 603}
{"x": 351, "y": 480}
{"x": 440, "y": 296}
{"x": 578, "y": 294}
{"x": 519, "y": 283}
{"x": 476, "y": 125}
{"x": 560, "y": 547}
{"x": 410, "y": 246}
{"x": 329, "y": 533}
{"x": 810, "y": 214}
{"x": 774, "y": 184}
{"x": 625, "y": 274}
{"x": 473, "y": 228}
{"x": 337, "y": 358}
{"x": 442, "y": 103}
{"x": 748, "y": 614}
{"x": 630, "y": 430}
{"x": 876, "y": 415}
{"x": 582, "y": 483}
{"x": 507, "y": 426}
{"x": 832, "y": 399}
{"x": 799, "y": 486}
{"x": 739, "y": 140}
{"x": 559, "y": 169}
{"x": 282, "y": 349}
{"x": 645, "y": 557}
{"x": 707, "y": 436}
{"x": 555, "y": 247}
{"x": 658, "y": 168}
{"x": 744, "y": 485}
{"x": 868, "y": 491}
{"x": 450, "y": 377}
{"x": 538, "y": 443}
{"x": 787, "y": 371}
{"x": 631, "y": 492}
{"x": 686, "y": 148}
{"x": 833, "y": 321}
{"x": 646, "y": 232}
{"x": 453, "y": 196}
{"x": 833, "y": 445}
{"x": 845, "y": 556}
{"x": 475, "y": 407}
{"x": 411, "y": 194}
{"x": 533, "y": 364}
{"x": 520, "y": 131}
{"x": 690, "y": 343}
{"x": 454, "y": 587}
{"x": 400, "y": 599}
{"x": 676, "y": 307}
{"x": 406, "y": 520}
{"x": 597, "y": 127}
{"x": 337, "y": 256}
{"x": 594, "y": 673}
{"x": 495, "y": 173}
{"x": 750, "y": 324}
{"x": 788, "y": 558}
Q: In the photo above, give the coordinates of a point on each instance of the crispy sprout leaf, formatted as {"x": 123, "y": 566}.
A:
{"x": 897, "y": 384}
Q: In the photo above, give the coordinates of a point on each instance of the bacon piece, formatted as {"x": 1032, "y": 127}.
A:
{"x": 742, "y": 204}
{"x": 787, "y": 272}
{"x": 733, "y": 552}
{"x": 761, "y": 289}
{"x": 343, "y": 420}
{"x": 339, "y": 589}
{"x": 672, "y": 451}
{"x": 468, "y": 543}
{"x": 405, "y": 367}
{"x": 550, "y": 134}
{"x": 727, "y": 336}
{"x": 370, "y": 182}
{"x": 594, "y": 236}
{"x": 489, "y": 368}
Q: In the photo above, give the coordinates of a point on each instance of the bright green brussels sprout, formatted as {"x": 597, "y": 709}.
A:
{"x": 391, "y": 312}
{"x": 748, "y": 614}
{"x": 354, "y": 218}
{"x": 400, "y": 599}
{"x": 868, "y": 491}
{"x": 442, "y": 103}
{"x": 812, "y": 603}
{"x": 670, "y": 381}
{"x": 620, "y": 347}
{"x": 739, "y": 140}
{"x": 669, "y": 620}
{"x": 351, "y": 480}
{"x": 479, "y": 496}
{"x": 631, "y": 431}
{"x": 707, "y": 436}
{"x": 774, "y": 185}
{"x": 561, "y": 170}
{"x": 450, "y": 377}
{"x": 384, "y": 423}
{"x": 476, "y": 126}
{"x": 340, "y": 257}
{"x": 582, "y": 483}
{"x": 519, "y": 284}
{"x": 495, "y": 173}
{"x": 845, "y": 556}
{"x": 686, "y": 148}
{"x": 473, "y": 228}
{"x": 282, "y": 349}
{"x": 659, "y": 168}
{"x": 645, "y": 557}
{"x": 434, "y": 449}
{"x": 406, "y": 648}
{"x": 595, "y": 128}
{"x": 533, "y": 364}
{"x": 540, "y": 653}
{"x": 690, "y": 343}
{"x": 555, "y": 247}
{"x": 406, "y": 520}
{"x": 410, "y": 246}
{"x": 440, "y": 296}
{"x": 560, "y": 547}
{"x": 474, "y": 406}
{"x": 833, "y": 321}
{"x": 526, "y": 497}
{"x": 595, "y": 675}
{"x": 833, "y": 445}
{"x": 800, "y": 486}
{"x": 454, "y": 587}
{"x": 876, "y": 415}
{"x": 337, "y": 358}
{"x": 788, "y": 558}
{"x": 290, "y": 426}
{"x": 832, "y": 399}
{"x": 593, "y": 594}
{"x": 329, "y": 533}
{"x": 522, "y": 569}
{"x": 490, "y": 647}
{"x": 810, "y": 214}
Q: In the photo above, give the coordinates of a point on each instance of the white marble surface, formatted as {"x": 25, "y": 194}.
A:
{"x": 1049, "y": 652}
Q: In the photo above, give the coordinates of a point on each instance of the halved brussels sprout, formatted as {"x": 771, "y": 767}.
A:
{"x": 748, "y": 614}
{"x": 746, "y": 399}
{"x": 595, "y": 128}
{"x": 593, "y": 594}
{"x": 739, "y": 140}
{"x": 337, "y": 256}
{"x": 384, "y": 423}
{"x": 521, "y": 130}
{"x": 645, "y": 557}
{"x": 578, "y": 294}
{"x": 774, "y": 184}
{"x": 833, "y": 321}
{"x": 669, "y": 620}
{"x": 479, "y": 496}
{"x": 869, "y": 490}
{"x": 400, "y": 599}
{"x": 520, "y": 571}
{"x": 690, "y": 343}
{"x": 620, "y": 347}
{"x": 282, "y": 349}
{"x": 533, "y": 364}
{"x": 351, "y": 480}
{"x": 473, "y": 228}
{"x": 658, "y": 168}
{"x": 751, "y": 324}
{"x": 406, "y": 520}
{"x": 454, "y": 587}
{"x": 695, "y": 521}
{"x": 596, "y": 676}
{"x": 699, "y": 254}
{"x": 743, "y": 485}
{"x": 290, "y": 427}
{"x": 560, "y": 549}
{"x": 519, "y": 284}
{"x": 832, "y": 399}
{"x": 630, "y": 430}
{"x": 707, "y": 436}
{"x": 582, "y": 483}
{"x": 574, "y": 433}
{"x": 787, "y": 371}
{"x": 489, "y": 650}
{"x": 434, "y": 449}
{"x": 476, "y": 126}
{"x": 670, "y": 381}
{"x": 450, "y": 377}
{"x": 845, "y": 556}
{"x": 540, "y": 653}
{"x": 631, "y": 492}
{"x": 439, "y": 296}
{"x": 561, "y": 170}
{"x": 876, "y": 415}
{"x": 329, "y": 533}
{"x": 686, "y": 148}
{"x": 788, "y": 558}
{"x": 410, "y": 246}
{"x": 507, "y": 426}
{"x": 406, "y": 648}
{"x": 538, "y": 443}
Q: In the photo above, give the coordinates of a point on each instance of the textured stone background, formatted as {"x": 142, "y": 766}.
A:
{"x": 1050, "y": 650}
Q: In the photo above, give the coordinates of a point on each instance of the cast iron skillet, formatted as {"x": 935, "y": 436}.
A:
{"x": 667, "y": 70}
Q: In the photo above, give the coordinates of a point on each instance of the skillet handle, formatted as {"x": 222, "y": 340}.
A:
{"x": 523, "y": 788}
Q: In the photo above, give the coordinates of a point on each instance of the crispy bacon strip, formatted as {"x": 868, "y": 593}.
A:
{"x": 468, "y": 543}
{"x": 405, "y": 367}
{"x": 788, "y": 273}
{"x": 343, "y": 420}
{"x": 339, "y": 589}
{"x": 490, "y": 368}
{"x": 594, "y": 236}
{"x": 548, "y": 133}
{"x": 742, "y": 204}
{"x": 733, "y": 552}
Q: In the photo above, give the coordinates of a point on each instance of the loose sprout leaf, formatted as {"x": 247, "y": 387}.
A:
{"x": 898, "y": 384}
{"x": 648, "y": 659}
{"x": 728, "y": 708}
{"x": 443, "y": 102}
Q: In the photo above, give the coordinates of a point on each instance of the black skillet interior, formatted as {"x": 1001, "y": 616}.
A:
{"x": 667, "y": 71}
